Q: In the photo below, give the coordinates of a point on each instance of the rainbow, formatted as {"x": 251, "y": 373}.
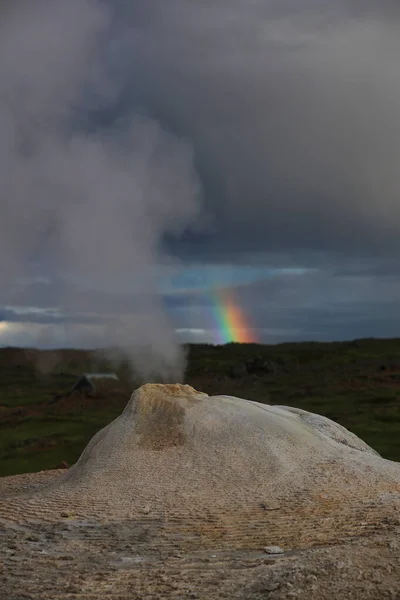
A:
{"x": 232, "y": 325}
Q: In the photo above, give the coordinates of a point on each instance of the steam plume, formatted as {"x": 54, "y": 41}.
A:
{"x": 87, "y": 204}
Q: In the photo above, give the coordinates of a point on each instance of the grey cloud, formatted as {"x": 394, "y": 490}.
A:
{"x": 293, "y": 111}
{"x": 39, "y": 335}
{"x": 286, "y": 113}
{"x": 319, "y": 305}
{"x": 34, "y": 316}
{"x": 320, "y": 289}
{"x": 325, "y": 305}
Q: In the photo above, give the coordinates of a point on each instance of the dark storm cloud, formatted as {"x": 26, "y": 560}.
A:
{"x": 324, "y": 304}
{"x": 114, "y": 115}
{"x": 292, "y": 108}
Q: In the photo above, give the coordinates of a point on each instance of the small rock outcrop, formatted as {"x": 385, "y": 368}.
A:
{"x": 176, "y": 447}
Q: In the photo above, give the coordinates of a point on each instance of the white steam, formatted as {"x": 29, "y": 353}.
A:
{"x": 88, "y": 206}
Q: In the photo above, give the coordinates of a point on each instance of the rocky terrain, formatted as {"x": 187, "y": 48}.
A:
{"x": 186, "y": 495}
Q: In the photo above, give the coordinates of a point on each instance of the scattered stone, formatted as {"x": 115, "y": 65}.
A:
{"x": 146, "y": 510}
{"x": 63, "y": 465}
{"x": 269, "y": 506}
{"x": 271, "y": 586}
{"x": 273, "y": 550}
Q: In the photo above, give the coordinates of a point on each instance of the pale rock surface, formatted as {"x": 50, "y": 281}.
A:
{"x": 179, "y": 496}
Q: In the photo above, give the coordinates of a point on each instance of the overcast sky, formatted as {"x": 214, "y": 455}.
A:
{"x": 152, "y": 152}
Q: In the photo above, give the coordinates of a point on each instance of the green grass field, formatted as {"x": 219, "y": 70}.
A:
{"x": 355, "y": 384}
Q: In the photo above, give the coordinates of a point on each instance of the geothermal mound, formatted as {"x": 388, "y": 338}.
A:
{"x": 182, "y": 476}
